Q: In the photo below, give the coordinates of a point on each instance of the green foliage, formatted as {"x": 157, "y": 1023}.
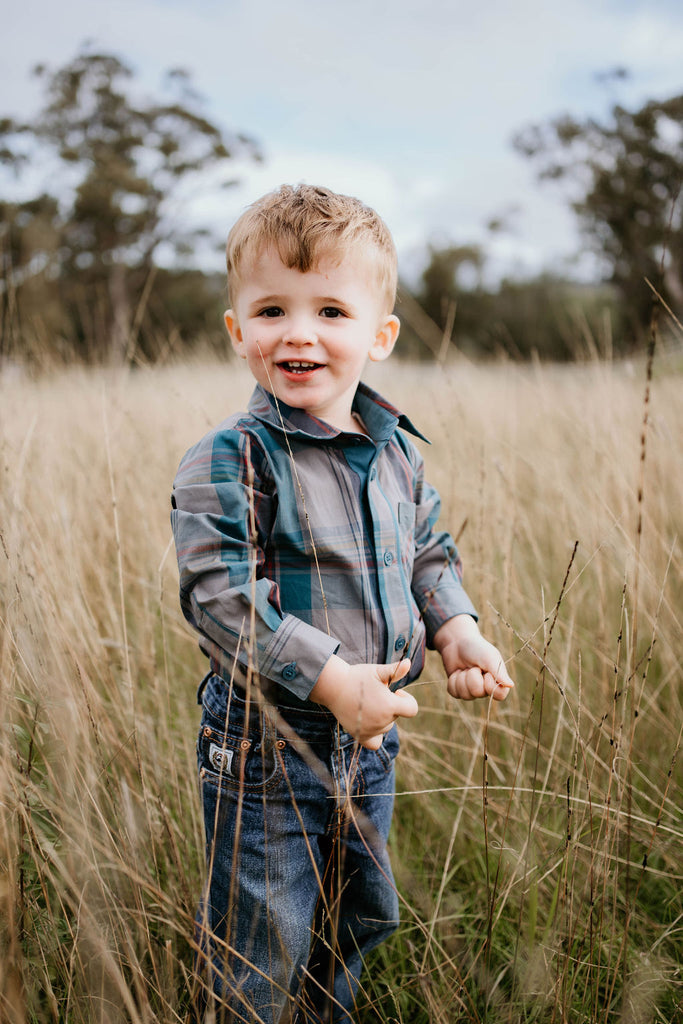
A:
{"x": 626, "y": 177}
{"x": 552, "y": 318}
{"x": 89, "y": 253}
{"x": 440, "y": 279}
{"x": 184, "y": 312}
{"x": 545, "y": 316}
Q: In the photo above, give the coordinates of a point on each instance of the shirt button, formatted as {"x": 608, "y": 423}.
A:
{"x": 388, "y": 557}
{"x": 400, "y": 643}
{"x": 289, "y": 671}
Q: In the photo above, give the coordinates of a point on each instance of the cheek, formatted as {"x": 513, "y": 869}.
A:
{"x": 257, "y": 362}
{"x": 353, "y": 348}
{"x": 260, "y": 342}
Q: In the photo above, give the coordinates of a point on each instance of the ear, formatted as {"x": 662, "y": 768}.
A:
{"x": 235, "y": 332}
{"x": 385, "y": 339}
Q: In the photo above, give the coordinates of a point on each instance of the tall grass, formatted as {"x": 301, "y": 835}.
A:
{"x": 536, "y": 845}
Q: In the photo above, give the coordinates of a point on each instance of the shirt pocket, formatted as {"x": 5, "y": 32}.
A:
{"x": 406, "y": 534}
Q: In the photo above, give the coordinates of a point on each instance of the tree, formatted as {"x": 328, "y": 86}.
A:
{"x": 449, "y": 300}
{"x": 626, "y": 178}
{"x": 544, "y": 316}
{"x": 123, "y": 164}
{"x": 441, "y": 286}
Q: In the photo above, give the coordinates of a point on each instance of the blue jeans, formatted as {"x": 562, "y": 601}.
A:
{"x": 299, "y": 885}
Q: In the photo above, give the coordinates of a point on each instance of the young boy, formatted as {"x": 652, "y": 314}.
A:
{"x": 311, "y": 566}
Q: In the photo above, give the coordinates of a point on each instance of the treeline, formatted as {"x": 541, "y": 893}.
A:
{"x": 85, "y": 260}
{"x": 545, "y": 317}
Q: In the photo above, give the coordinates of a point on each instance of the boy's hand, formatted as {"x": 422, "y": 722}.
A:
{"x": 475, "y": 668}
{"x": 360, "y": 699}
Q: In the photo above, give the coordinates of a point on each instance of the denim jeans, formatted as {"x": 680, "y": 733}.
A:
{"x": 299, "y": 883}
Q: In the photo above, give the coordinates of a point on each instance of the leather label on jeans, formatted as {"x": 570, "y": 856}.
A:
{"x": 220, "y": 758}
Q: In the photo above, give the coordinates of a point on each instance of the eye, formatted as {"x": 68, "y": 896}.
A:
{"x": 270, "y": 312}
{"x": 331, "y": 312}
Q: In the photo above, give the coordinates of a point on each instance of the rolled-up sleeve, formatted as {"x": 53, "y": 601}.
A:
{"x": 223, "y": 503}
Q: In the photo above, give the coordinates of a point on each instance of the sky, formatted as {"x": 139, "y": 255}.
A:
{"x": 410, "y": 104}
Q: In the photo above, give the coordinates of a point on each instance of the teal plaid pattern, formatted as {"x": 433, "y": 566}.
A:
{"x": 296, "y": 541}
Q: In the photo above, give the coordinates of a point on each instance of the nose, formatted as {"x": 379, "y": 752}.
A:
{"x": 300, "y": 331}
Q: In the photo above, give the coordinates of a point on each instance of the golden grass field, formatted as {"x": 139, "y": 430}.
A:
{"x": 537, "y": 844}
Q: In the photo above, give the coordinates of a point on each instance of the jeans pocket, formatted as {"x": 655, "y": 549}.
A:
{"x": 388, "y": 752}
{"x": 236, "y": 761}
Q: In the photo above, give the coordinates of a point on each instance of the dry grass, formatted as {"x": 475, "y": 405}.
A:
{"x": 537, "y": 844}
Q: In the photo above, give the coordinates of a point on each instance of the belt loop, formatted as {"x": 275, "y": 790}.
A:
{"x": 266, "y": 710}
{"x": 202, "y": 686}
{"x": 268, "y": 717}
{"x": 268, "y": 714}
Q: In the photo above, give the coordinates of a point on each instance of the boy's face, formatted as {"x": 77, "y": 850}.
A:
{"x": 307, "y": 336}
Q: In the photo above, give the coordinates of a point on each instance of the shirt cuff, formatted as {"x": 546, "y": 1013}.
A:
{"x": 296, "y": 656}
{"x": 444, "y": 605}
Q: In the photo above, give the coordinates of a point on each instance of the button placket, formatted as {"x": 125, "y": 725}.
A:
{"x": 393, "y": 586}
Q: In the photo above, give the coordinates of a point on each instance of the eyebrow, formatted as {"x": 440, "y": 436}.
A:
{"x": 266, "y": 300}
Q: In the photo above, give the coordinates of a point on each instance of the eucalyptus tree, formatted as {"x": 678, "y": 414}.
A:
{"x": 624, "y": 177}
{"x": 119, "y": 166}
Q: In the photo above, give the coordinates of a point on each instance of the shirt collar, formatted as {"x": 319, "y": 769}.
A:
{"x": 380, "y": 417}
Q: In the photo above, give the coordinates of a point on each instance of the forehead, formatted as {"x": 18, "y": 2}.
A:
{"x": 354, "y": 270}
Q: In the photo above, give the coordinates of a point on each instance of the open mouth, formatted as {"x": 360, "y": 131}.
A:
{"x": 299, "y": 366}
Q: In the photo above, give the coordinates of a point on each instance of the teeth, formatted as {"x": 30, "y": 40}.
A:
{"x": 293, "y": 364}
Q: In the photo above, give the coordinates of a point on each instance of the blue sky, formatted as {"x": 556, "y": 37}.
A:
{"x": 411, "y": 105}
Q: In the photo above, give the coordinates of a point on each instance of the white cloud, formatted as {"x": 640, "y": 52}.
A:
{"x": 411, "y": 106}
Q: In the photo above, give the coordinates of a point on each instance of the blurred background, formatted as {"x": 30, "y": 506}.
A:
{"x": 528, "y": 159}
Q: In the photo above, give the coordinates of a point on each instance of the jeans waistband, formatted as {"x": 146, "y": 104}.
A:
{"x": 311, "y": 722}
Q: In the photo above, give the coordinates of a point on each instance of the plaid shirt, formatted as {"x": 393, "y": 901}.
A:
{"x": 296, "y": 541}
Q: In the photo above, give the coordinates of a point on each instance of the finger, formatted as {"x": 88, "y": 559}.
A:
{"x": 392, "y": 673}
{"x": 404, "y": 705}
{"x": 483, "y": 655}
{"x": 456, "y": 686}
{"x": 374, "y": 743}
{"x": 466, "y": 684}
{"x": 503, "y": 678}
{"x": 492, "y": 681}
{"x": 495, "y": 688}
{"x": 493, "y": 664}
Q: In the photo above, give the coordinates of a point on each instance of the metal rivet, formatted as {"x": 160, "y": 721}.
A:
{"x": 207, "y": 730}
{"x": 280, "y": 744}
{"x": 245, "y": 744}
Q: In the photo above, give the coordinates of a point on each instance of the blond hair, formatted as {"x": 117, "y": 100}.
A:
{"x": 305, "y": 224}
